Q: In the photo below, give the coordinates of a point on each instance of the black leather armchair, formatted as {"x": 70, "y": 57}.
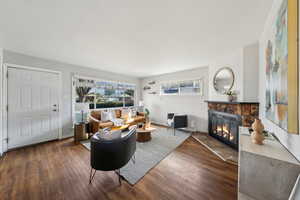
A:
{"x": 177, "y": 121}
{"x": 111, "y": 155}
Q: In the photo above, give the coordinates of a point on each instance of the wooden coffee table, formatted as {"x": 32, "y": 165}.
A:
{"x": 144, "y": 135}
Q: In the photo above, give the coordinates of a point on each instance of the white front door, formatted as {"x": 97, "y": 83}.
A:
{"x": 32, "y": 106}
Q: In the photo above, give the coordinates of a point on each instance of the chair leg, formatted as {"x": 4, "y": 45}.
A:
{"x": 119, "y": 175}
{"x": 92, "y": 175}
{"x": 133, "y": 158}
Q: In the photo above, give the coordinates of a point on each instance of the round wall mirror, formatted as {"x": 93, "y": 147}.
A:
{"x": 223, "y": 80}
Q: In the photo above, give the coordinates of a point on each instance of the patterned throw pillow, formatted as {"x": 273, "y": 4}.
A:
{"x": 133, "y": 112}
{"x": 112, "y": 115}
{"x": 125, "y": 113}
{"x": 109, "y": 135}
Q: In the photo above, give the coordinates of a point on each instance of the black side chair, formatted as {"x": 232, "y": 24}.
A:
{"x": 111, "y": 155}
{"x": 177, "y": 121}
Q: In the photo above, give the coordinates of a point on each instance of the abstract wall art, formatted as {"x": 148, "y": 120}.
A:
{"x": 281, "y": 56}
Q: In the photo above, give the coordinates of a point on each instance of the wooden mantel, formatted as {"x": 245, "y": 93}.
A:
{"x": 247, "y": 110}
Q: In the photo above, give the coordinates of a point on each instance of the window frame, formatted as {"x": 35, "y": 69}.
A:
{"x": 74, "y": 93}
{"x": 179, "y": 93}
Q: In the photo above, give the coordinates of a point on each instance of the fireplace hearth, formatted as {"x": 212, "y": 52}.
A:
{"x": 224, "y": 127}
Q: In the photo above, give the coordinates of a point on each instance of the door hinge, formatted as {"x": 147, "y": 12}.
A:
{"x": 6, "y": 139}
{"x": 6, "y": 108}
{"x": 6, "y": 74}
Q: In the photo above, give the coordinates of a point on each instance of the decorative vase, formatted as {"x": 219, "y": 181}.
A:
{"x": 231, "y": 98}
{"x": 257, "y": 135}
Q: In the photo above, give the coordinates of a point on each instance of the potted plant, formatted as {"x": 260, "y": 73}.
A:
{"x": 148, "y": 123}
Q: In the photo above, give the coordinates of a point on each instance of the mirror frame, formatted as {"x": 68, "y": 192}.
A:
{"x": 217, "y": 72}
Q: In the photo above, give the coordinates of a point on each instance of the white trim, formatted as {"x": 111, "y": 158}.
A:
{"x": 4, "y": 98}
{"x": 66, "y": 136}
{"x": 101, "y": 79}
{"x": 31, "y": 68}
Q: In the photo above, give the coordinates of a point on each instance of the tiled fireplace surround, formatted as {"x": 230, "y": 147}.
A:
{"x": 247, "y": 110}
{"x": 226, "y": 117}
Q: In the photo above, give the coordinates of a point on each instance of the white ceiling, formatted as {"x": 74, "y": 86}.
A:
{"x": 136, "y": 37}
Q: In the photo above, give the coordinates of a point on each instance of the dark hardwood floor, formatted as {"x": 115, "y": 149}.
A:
{"x": 60, "y": 170}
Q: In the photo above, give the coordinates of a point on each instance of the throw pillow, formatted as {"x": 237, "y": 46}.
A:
{"x": 118, "y": 113}
{"x": 125, "y": 113}
{"x": 109, "y": 135}
{"x": 105, "y": 116}
{"x": 112, "y": 115}
{"x": 133, "y": 112}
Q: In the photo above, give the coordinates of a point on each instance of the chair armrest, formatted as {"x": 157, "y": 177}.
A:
{"x": 94, "y": 124}
{"x": 141, "y": 114}
{"x": 92, "y": 119}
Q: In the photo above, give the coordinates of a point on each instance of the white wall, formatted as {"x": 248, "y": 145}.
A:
{"x": 194, "y": 106}
{"x": 244, "y": 63}
{"x": 290, "y": 141}
{"x": 234, "y": 60}
{"x": 250, "y": 70}
{"x": 67, "y": 73}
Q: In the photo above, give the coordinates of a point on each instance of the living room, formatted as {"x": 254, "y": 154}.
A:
{"x": 149, "y": 100}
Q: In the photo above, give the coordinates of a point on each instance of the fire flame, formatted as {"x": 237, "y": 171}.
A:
{"x": 225, "y": 132}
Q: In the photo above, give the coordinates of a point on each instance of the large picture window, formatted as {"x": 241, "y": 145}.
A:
{"x": 188, "y": 87}
{"x": 104, "y": 94}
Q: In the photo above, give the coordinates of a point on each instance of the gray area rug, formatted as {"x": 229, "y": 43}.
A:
{"x": 149, "y": 154}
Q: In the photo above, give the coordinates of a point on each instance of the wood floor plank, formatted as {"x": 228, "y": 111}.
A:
{"x": 60, "y": 170}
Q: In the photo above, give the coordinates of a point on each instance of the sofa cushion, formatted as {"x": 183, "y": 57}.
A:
{"x": 118, "y": 113}
{"x": 96, "y": 114}
{"x": 106, "y": 124}
{"x": 139, "y": 118}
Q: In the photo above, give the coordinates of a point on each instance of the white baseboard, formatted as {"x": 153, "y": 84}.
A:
{"x": 189, "y": 129}
{"x": 159, "y": 123}
{"x": 66, "y": 136}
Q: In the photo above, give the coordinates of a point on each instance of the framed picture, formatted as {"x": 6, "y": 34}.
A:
{"x": 281, "y": 56}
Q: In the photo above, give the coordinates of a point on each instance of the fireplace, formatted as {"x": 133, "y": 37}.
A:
{"x": 224, "y": 127}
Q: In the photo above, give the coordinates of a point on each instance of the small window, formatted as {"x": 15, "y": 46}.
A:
{"x": 188, "y": 87}
{"x": 170, "y": 88}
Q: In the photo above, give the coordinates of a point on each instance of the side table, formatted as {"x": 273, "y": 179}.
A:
{"x": 80, "y": 132}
